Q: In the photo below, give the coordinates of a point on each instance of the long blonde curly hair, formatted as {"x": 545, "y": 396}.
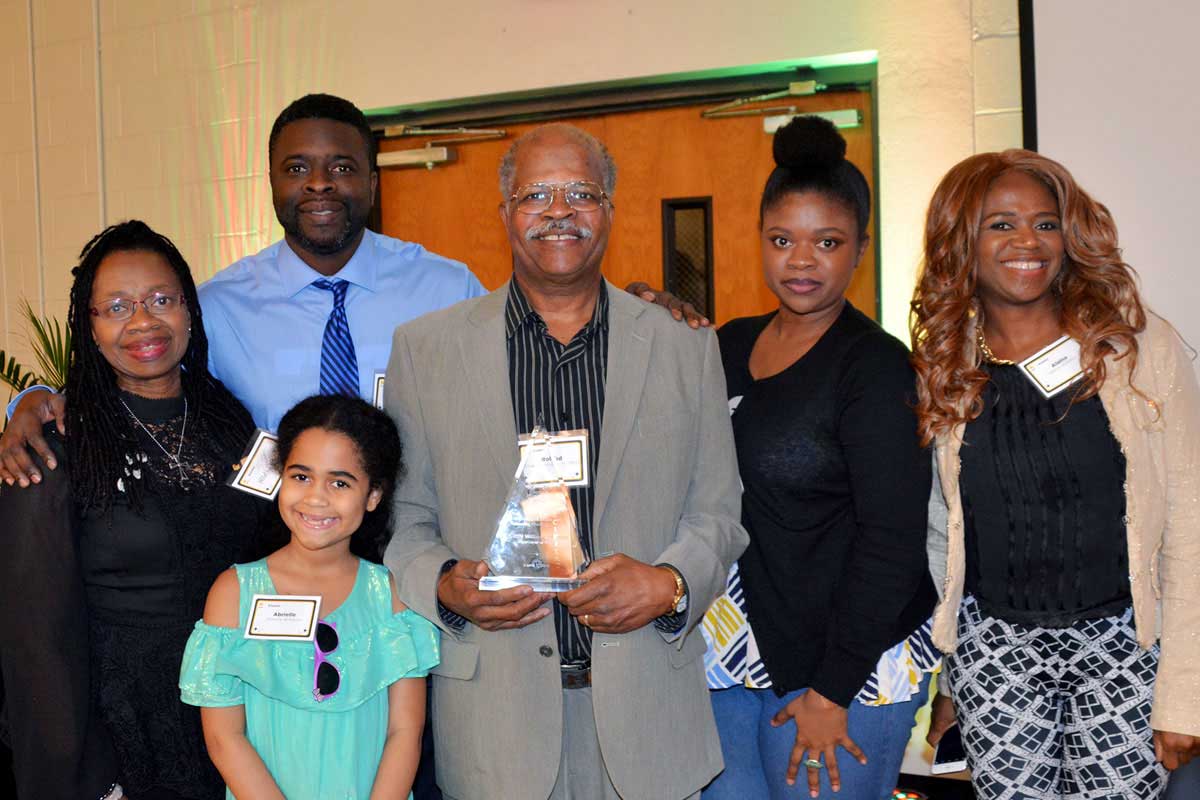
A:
{"x": 1097, "y": 291}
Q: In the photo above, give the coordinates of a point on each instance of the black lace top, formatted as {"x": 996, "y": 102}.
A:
{"x": 98, "y": 608}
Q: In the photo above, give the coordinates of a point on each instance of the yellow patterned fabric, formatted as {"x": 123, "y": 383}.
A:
{"x": 732, "y": 657}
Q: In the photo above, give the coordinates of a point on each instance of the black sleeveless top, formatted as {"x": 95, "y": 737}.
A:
{"x": 1044, "y": 505}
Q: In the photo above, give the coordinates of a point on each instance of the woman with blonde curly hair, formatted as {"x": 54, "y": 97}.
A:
{"x": 1065, "y": 517}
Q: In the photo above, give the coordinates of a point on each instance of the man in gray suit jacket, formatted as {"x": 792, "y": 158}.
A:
{"x": 599, "y": 692}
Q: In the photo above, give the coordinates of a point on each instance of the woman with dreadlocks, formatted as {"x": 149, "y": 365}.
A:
{"x": 109, "y": 560}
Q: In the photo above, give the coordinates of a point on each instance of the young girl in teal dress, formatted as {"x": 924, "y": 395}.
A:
{"x": 340, "y": 716}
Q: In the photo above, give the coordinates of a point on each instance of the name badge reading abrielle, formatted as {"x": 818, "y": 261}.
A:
{"x": 378, "y": 393}
{"x": 1054, "y": 367}
{"x": 283, "y": 617}
{"x": 256, "y": 474}
{"x": 570, "y": 452}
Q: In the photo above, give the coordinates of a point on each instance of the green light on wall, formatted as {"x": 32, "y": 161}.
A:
{"x": 857, "y": 58}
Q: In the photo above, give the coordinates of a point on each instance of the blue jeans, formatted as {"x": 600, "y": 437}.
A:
{"x": 1184, "y": 783}
{"x": 756, "y": 755}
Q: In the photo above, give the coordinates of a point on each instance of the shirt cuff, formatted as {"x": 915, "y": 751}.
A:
{"x": 12, "y": 404}
{"x": 671, "y": 623}
{"x": 455, "y": 622}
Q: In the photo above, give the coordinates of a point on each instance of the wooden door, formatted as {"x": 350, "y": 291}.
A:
{"x": 664, "y": 153}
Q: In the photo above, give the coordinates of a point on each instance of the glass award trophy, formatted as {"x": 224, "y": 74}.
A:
{"x": 536, "y": 543}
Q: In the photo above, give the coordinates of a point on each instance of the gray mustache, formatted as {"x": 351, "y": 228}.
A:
{"x": 560, "y": 227}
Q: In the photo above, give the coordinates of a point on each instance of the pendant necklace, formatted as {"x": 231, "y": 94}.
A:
{"x": 172, "y": 460}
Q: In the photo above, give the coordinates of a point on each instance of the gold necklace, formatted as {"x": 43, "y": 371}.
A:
{"x": 988, "y": 355}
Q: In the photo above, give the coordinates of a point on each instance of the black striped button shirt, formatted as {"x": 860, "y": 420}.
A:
{"x": 561, "y": 387}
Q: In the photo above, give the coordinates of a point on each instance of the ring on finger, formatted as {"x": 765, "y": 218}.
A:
{"x": 813, "y": 763}
{"x": 587, "y": 620}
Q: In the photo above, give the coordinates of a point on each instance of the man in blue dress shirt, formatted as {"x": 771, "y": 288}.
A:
{"x": 266, "y": 320}
{"x": 264, "y": 316}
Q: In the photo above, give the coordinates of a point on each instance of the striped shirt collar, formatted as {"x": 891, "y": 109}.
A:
{"x": 518, "y": 312}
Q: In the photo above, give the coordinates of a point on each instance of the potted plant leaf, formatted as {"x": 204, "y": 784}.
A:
{"x": 51, "y": 341}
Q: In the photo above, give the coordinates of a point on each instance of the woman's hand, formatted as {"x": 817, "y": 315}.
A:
{"x": 820, "y": 728}
{"x": 1173, "y": 750}
{"x": 941, "y": 718}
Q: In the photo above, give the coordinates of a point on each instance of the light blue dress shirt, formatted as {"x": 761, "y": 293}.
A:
{"x": 265, "y": 320}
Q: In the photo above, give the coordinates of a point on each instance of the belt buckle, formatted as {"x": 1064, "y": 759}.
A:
{"x": 576, "y": 677}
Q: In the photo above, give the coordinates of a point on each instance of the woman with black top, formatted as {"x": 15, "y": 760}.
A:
{"x": 1066, "y": 420}
{"x": 108, "y": 561}
{"x": 835, "y": 490}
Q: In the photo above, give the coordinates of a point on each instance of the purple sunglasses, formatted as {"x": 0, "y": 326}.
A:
{"x": 326, "y": 678}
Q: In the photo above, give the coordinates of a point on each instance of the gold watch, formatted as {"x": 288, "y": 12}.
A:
{"x": 679, "y": 603}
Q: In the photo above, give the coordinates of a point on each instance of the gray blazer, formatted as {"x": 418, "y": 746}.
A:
{"x": 666, "y": 490}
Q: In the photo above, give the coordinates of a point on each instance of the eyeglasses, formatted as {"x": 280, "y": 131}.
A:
{"x": 534, "y": 198}
{"x": 326, "y": 677}
{"x": 118, "y": 309}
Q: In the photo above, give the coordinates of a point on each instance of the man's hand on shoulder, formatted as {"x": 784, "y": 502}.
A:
{"x": 24, "y": 431}
{"x": 681, "y": 310}
{"x": 458, "y": 590}
{"x": 621, "y": 595}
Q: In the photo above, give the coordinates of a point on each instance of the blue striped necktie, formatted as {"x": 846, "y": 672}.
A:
{"x": 339, "y": 364}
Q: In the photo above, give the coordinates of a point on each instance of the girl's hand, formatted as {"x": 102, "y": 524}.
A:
{"x": 1174, "y": 750}
{"x": 820, "y": 728}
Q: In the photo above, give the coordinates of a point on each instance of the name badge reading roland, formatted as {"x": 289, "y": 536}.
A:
{"x": 1054, "y": 367}
{"x": 569, "y": 450}
{"x": 256, "y": 474}
{"x": 283, "y": 617}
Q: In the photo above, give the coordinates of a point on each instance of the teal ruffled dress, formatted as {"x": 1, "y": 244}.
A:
{"x": 328, "y": 750}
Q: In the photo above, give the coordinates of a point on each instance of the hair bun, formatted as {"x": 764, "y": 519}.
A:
{"x": 807, "y": 142}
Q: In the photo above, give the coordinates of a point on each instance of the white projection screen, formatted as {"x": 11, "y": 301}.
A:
{"x": 1116, "y": 103}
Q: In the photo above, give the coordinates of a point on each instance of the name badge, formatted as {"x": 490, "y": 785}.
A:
{"x": 378, "y": 393}
{"x": 283, "y": 617}
{"x": 569, "y": 451}
{"x": 1054, "y": 367}
{"x": 256, "y": 473}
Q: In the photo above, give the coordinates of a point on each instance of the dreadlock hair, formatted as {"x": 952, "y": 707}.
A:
{"x": 1099, "y": 305}
{"x": 325, "y": 106}
{"x": 810, "y": 156}
{"x": 99, "y": 433}
{"x": 377, "y": 441}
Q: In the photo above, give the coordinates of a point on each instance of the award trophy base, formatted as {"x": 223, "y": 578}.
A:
{"x": 539, "y": 583}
